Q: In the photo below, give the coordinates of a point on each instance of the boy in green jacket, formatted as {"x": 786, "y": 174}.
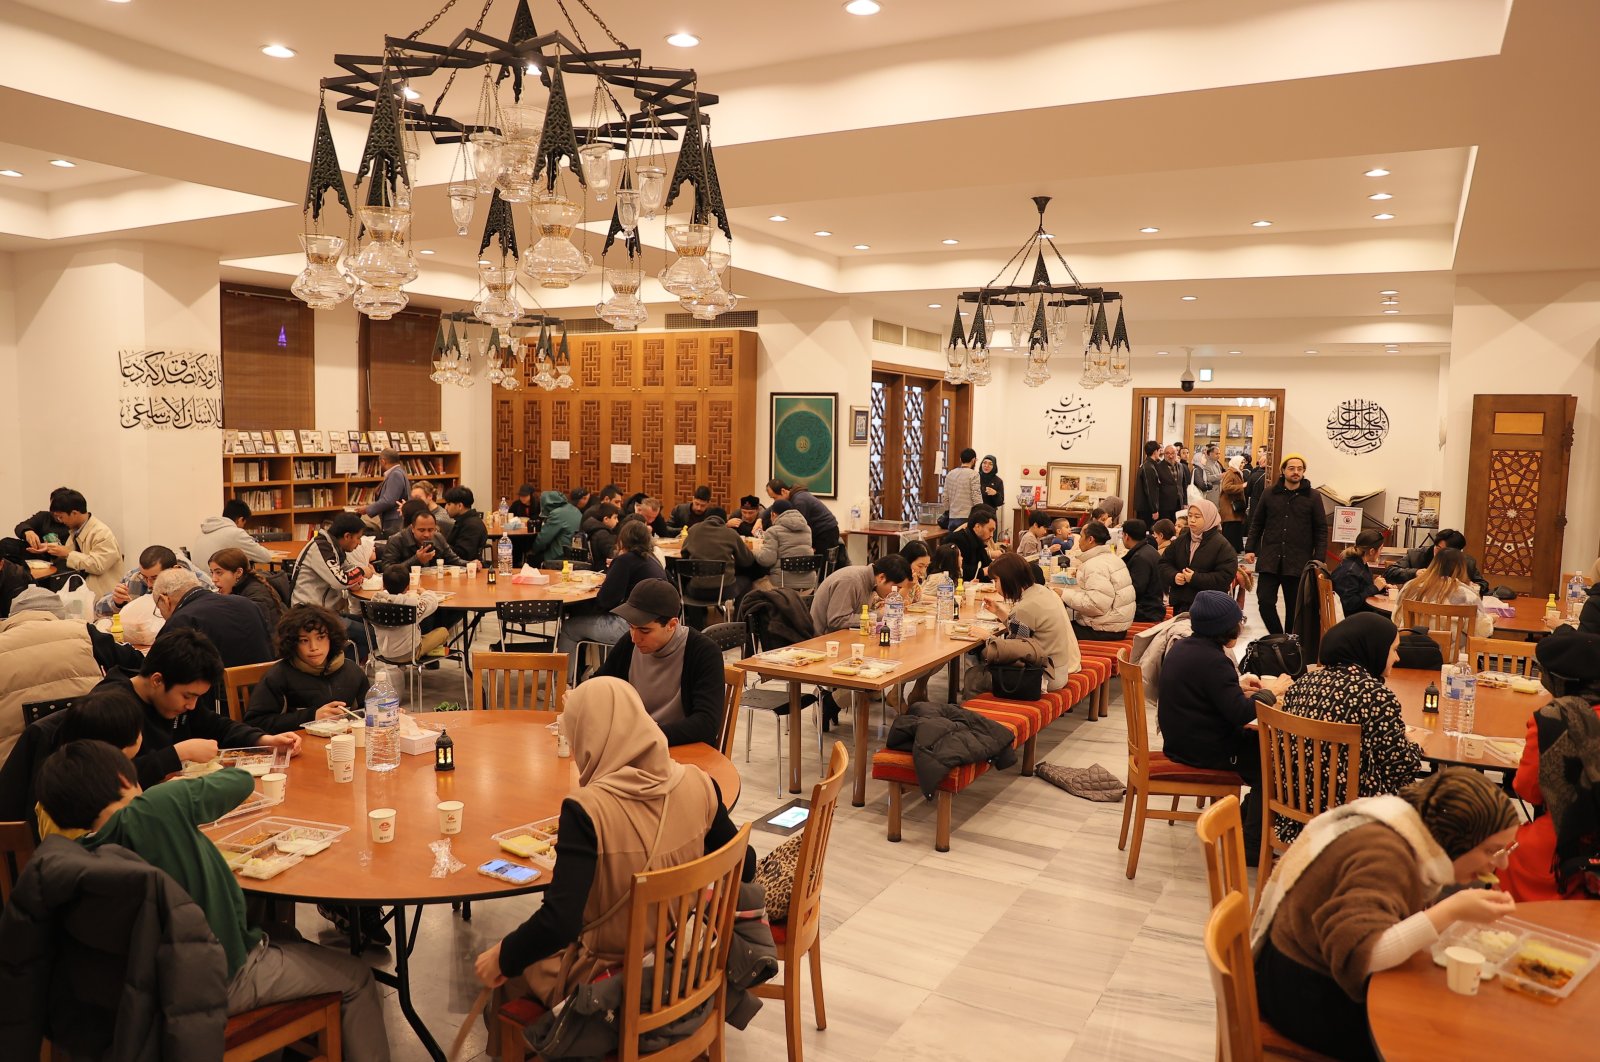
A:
{"x": 92, "y": 786}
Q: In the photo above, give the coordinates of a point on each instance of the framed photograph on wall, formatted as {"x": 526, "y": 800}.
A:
{"x": 860, "y": 424}
{"x": 1072, "y": 486}
{"x": 804, "y": 441}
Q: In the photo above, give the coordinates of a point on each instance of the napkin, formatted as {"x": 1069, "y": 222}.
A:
{"x": 530, "y": 576}
{"x": 372, "y": 582}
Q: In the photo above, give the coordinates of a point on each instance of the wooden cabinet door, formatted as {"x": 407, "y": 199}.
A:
{"x": 620, "y": 416}
{"x": 1517, "y": 488}
{"x": 518, "y": 446}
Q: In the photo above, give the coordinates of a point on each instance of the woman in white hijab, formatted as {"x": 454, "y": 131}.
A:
{"x": 1231, "y": 502}
{"x": 635, "y": 809}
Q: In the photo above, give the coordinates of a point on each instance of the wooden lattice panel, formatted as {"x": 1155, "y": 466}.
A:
{"x": 621, "y": 432}
{"x": 561, "y": 431}
{"x": 533, "y": 445}
{"x": 945, "y": 416}
{"x": 589, "y": 446}
{"x": 654, "y": 355}
{"x": 1511, "y": 517}
{"x": 911, "y": 451}
{"x": 877, "y": 446}
{"x": 685, "y": 432}
{"x": 719, "y": 449}
{"x": 504, "y": 443}
{"x": 589, "y": 363}
{"x": 686, "y": 362}
{"x": 621, "y": 360}
{"x": 653, "y": 443}
{"x": 720, "y": 367}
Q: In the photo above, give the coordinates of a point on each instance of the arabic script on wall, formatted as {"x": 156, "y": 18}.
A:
{"x": 169, "y": 390}
{"x": 1069, "y": 420}
{"x": 1357, "y": 426}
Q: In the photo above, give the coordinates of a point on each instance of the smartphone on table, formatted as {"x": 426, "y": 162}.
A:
{"x": 509, "y": 872}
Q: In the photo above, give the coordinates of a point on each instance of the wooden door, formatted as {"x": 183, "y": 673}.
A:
{"x": 1517, "y": 488}
{"x": 519, "y": 446}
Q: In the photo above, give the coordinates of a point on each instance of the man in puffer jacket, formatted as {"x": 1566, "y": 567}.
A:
{"x": 943, "y": 736}
{"x": 789, "y": 536}
{"x": 1103, "y": 601}
{"x": 561, "y": 522}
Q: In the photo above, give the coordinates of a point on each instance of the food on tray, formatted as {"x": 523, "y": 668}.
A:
{"x": 1522, "y": 684}
{"x": 526, "y": 845}
{"x": 1493, "y": 944}
{"x": 265, "y": 868}
{"x": 846, "y": 668}
{"x": 326, "y": 727}
{"x": 303, "y": 846}
{"x": 1545, "y": 966}
{"x": 1493, "y": 680}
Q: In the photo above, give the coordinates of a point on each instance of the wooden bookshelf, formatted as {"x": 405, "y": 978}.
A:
{"x": 294, "y": 494}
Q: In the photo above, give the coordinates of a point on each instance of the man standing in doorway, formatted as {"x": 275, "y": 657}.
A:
{"x": 1208, "y": 473}
{"x": 1147, "y": 485}
{"x": 1288, "y": 530}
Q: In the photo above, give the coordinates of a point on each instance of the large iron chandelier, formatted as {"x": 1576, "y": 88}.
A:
{"x": 1038, "y": 319}
{"x": 519, "y": 146}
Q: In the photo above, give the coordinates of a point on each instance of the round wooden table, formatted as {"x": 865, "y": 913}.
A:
{"x": 474, "y": 593}
{"x": 1415, "y": 1017}
{"x": 1500, "y": 713}
{"x": 507, "y": 774}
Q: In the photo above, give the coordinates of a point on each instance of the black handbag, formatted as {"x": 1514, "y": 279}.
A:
{"x": 1018, "y": 682}
{"x": 1274, "y": 654}
{"x": 1419, "y": 652}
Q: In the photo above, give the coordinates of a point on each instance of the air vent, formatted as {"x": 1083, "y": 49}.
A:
{"x": 884, "y": 332}
{"x": 923, "y": 340}
{"x": 731, "y": 319}
{"x": 580, "y": 326}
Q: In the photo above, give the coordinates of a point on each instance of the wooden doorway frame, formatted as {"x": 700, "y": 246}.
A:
{"x": 1136, "y": 445}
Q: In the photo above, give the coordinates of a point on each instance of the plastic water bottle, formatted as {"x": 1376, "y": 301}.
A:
{"x": 1577, "y": 594}
{"x": 894, "y": 614}
{"x": 1467, "y": 683}
{"x": 503, "y": 550}
{"x": 1449, "y": 700}
{"x": 505, "y": 513}
{"x": 855, "y": 517}
{"x": 383, "y": 725}
{"x": 945, "y": 602}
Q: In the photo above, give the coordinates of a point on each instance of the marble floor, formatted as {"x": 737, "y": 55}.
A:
{"x": 1026, "y": 939}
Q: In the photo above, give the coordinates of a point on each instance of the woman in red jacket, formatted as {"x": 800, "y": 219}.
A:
{"x": 1571, "y": 664}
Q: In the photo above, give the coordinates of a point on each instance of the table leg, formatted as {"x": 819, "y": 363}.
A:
{"x": 862, "y": 707}
{"x": 400, "y": 981}
{"x": 796, "y": 724}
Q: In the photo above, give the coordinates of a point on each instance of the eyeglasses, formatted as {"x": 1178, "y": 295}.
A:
{"x": 1503, "y": 853}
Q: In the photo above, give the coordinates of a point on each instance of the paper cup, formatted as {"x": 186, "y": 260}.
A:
{"x": 1472, "y": 746}
{"x": 450, "y": 812}
{"x": 358, "y": 735}
{"x": 833, "y": 649}
{"x": 858, "y": 652}
{"x": 382, "y": 822}
{"x": 1462, "y": 968}
{"x": 272, "y": 785}
{"x": 343, "y": 770}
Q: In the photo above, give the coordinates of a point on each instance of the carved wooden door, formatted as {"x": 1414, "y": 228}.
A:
{"x": 1517, "y": 488}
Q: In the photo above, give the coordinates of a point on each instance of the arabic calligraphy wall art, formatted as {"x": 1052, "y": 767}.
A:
{"x": 1069, "y": 420}
{"x": 169, "y": 390}
{"x": 804, "y": 434}
{"x": 1357, "y": 426}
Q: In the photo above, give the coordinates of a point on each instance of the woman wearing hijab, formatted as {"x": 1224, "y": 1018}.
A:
{"x": 1352, "y": 898}
{"x": 1356, "y": 656}
{"x": 991, "y": 487}
{"x": 635, "y": 809}
{"x": 1231, "y": 502}
{"x": 1200, "y": 559}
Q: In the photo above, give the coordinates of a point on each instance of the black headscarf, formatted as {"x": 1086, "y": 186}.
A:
{"x": 1364, "y": 640}
{"x": 993, "y": 487}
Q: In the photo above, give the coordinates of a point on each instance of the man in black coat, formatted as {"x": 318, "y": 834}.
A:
{"x": 972, "y": 541}
{"x": 1147, "y": 485}
{"x": 234, "y": 624}
{"x": 1417, "y": 560}
{"x": 1288, "y": 530}
{"x": 467, "y": 533}
{"x": 1144, "y": 568}
{"x": 1255, "y": 481}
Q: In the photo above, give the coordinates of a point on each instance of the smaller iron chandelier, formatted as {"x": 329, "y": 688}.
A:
{"x": 1037, "y": 319}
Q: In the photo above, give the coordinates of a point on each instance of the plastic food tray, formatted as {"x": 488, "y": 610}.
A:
{"x": 326, "y": 728}
{"x": 793, "y": 657}
{"x": 543, "y": 832}
{"x": 257, "y": 760}
{"x": 1531, "y": 941}
{"x": 267, "y": 847}
{"x": 254, "y": 804}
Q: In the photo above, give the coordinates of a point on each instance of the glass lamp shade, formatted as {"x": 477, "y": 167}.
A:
{"x": 718, "y": 261}
{"x": 463, "y": 195}
{"x": 379, "y": 303}
{"x": 709, "y": 305}
{"x": 321, "y": 285}
{"x": 498, "y": 308}
{"x": 384, "y": 261}
{"x": 596, "y": 160}
{"x": 627, "y": 210}
{"x": 522, "y": 120}
{"x": 978, "y": 371}
{"x": 554, "y": 262}
{"x": 622, "y": 312}
{"x": 484, "y": 148}
{"x": 518, "y": 154}
{"x": 688, "y": 277}
{"x": 652, "y": 184}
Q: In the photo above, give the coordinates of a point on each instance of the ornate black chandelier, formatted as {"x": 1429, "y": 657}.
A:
{"x": 1038, "y": 319}
{"x": 519, "y": 145}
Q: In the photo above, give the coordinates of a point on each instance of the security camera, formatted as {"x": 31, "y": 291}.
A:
{"x": 1186, "y": 381}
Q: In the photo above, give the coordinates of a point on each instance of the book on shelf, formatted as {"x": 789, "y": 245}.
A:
{"x": 441, "y": 441}
{"x": 419, "y": 441}
{"x": 358, "y": 441}
{"x": 380, "y": 440}
{"x": 399, "y": 442}
{"x": 311, "y": 441}
{"x": 338, "y": 442}
{"x": 263, "y": 443}
{"x": 230, "y": 441}
{"x": 286, "y": 441}
{"x": 366, "y": 442}
{"x": 247, "y": 445}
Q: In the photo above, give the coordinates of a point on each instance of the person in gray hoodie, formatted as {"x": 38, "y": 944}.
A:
{"x": 227, "y": 531}
{"x": 789, "y": 536}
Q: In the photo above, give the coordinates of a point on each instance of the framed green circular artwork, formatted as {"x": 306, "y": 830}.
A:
{"x": 804, "y": 438}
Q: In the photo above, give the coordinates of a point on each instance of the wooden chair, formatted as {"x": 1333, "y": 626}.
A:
{"x": 1242, "y": 1035}
{"x": 1496, "y": 654}
{"x": 1221, "y": 831}
{"x": 514, "y": 680}
{"x": 1327, "y": 601}
{"x": 800, "y": 934}
{"x": 34, "y": 711}
{"x": 16, "y": 847}
{"x": 733, "y": 685}
{"x": 1151, "y": 774}
{"x": 1458, "y": 620}
{"x": 241, "y": 681}
{"x": 1302, "y": 762}
{"x": 268, "y": 1030}
{"x": 663, "y": 901}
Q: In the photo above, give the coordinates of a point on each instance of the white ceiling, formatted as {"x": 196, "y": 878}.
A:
{"x": 910, "y": 127}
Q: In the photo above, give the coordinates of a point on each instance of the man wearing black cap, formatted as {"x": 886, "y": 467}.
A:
{"x": 676, "y": 669}
{"x": 751, "y": 512}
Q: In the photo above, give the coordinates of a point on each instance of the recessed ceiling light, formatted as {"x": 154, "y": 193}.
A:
{"x": 1235, "y": 352}
{"x": 963, "y": 313}
{"x": 1379, "y": 172}
{"x": 1149, "y": 229}
{"x": 1391, "y": 311}
{"x": 863, "y": 7}
{"x": 1389, "y": 291}
{"x": 777, "y": 217}
{"x": 863, "y": 247}
{"x": 1389, "y": 302}
{"x": 1380, "y": 196}
{"x": 426, "y": 251}
{"x": 1189, "y": 298}
{"x": 950, "y": 243}
{"x": 277, "y": 51}
{"x": 10, "y": 173}
{"x": 1161, "y": 353}
{"x": 532, "y": 68}
{"x": 120, "y": 1}
{"x": 683, "y": 40}
{"x": 1383, "y": 217}
{"x": 1310, "y": 352}
{"x": 935, "y": 305}
{"x": 1262, "y": 224}
{"x": 1048, "y": 235}
{"x": 64, "y": 164}
{"x": 822, "y": 232}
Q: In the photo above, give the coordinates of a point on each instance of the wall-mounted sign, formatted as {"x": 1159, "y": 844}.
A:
{"x": 1069, "y": 420}
{"x": 169, "y": 390}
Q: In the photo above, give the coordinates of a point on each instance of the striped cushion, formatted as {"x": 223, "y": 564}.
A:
{"x": 891, "y": 766}
{"x": 1165, "y": 770}
{"x": 1023, "y": 718}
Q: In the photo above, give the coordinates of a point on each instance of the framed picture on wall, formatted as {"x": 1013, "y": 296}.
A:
{"x": 1072, "y": 486}
{"x": 860, "y": 424}
{"x": 804, "y": 441}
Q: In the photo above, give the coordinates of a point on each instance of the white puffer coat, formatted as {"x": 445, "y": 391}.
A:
{"x": 1104, "y": 597}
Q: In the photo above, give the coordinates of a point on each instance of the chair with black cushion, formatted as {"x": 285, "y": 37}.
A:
{"x": 390, "y": 615}
{"x": 579, "y": 563}
{"x": 832, "y": 560}
{"x": 520, "y": 615}
{"x": 792, "y": 566}
{"x": 34, "y": 711}
{"x": 684, "y": 572}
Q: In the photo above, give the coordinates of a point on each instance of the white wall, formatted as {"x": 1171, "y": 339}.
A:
{"x": 10, "y": 398}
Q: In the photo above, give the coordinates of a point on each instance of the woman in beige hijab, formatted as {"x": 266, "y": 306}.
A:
{"x": 635, "y": 809}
